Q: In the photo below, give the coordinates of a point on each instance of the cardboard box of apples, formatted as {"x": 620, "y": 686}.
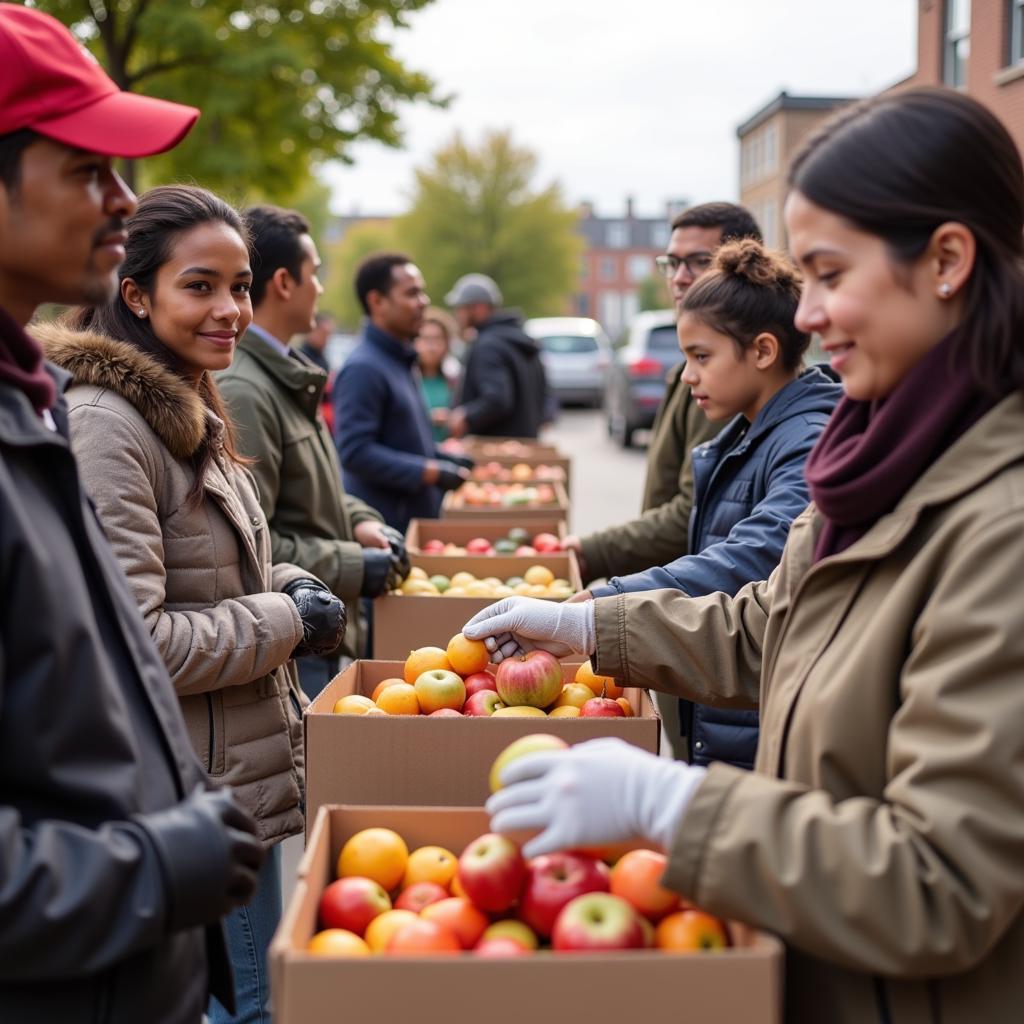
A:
{"x": 526, "y": 501}
{"x": 484, "y": 536}
{"x": 425, "y": 730}
{"x": 400, "y": 913}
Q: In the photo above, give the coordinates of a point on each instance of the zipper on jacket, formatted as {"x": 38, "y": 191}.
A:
{"x": 209, "y": 716}
{"x": 882, "y": 1000}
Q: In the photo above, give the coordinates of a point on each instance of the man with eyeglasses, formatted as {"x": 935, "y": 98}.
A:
{"x": 660, "y": 535}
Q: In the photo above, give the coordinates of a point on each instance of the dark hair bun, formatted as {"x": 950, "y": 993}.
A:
{"x": 748, "y": 260}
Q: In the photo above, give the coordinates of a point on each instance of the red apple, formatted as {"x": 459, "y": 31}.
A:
{"x": 445, "y": 713}
{"x": 499, "y": 947}
{"x": 478, "y": 546}
{"x": 546, "y": 543}
{"x": 440, "y": 688}
{"x": 419, "y": 895}
{"x": 602, "y": 707}
{"x": 554, "y": 880}
{"x": 433, "y": 547}
{"x": 598, "y": 920}
{"x": 534, "y": 678}
{"x": 526, "y": 549}
{"x": 482, "y": 704}
{"x": 352, "y": 903}
{"x": 477, "y": 681}
{"x": 491, "y": 872}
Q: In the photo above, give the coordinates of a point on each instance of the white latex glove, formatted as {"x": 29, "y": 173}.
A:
{"x": 517, "y": 624}
{"x": 601, "y": 791}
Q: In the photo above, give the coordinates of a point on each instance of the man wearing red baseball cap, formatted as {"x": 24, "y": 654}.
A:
{"x": 117, "y": 857}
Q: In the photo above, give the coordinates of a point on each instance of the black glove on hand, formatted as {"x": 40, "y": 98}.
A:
{"x": 398, "y": 551}
{"x": 203, "y": 888}
{"x": 380, "y": 572}
{"x": 461, "y": 460}
{"x": 323, "y": 618}
{"x": 448, "y": 475}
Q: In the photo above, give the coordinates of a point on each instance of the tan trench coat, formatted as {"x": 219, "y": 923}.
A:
{"x": 882, "y": 835}
{"x": 202, "y": 575}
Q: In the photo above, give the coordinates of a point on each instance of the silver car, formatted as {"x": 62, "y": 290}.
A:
{"x": 576, "y": 354}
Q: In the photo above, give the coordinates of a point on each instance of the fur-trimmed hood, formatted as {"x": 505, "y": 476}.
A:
{"x": 173, "y": 409}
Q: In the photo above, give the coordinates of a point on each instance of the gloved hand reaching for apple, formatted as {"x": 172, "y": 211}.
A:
{"x": 518, "y": 624}
{"x": 601, "y": 791}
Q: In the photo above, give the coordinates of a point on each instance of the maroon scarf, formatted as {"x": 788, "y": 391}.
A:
{"x": 871, "y": 453}
{"x": 21, "y": 364}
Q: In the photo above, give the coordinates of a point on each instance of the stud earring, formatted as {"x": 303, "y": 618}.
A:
{"x": 945, "y": 289}
{"x": 142, "y": 312}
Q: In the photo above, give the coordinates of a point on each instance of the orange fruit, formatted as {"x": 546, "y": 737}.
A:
{"x": 383, "y": 926}
{"x": 636, "y": 877}
{"x": 377, "y": 853}
{"x": 467, "y": 656}
{"x": 627, "y": 708}
{"x": 383, "y": 685}
{"x": 603, "y": 686}
{"x": 421, "y": 937}
{"x": 353, "y": 704}
{"x": 337, "y": 942}
{"x": 399, "y": 699}
{"x": 457, "y": 913}
{"x": 423, "y": 659}
{"x": 456, "y": 886}
{"x": 431, "y": 864}
{"x": 689, "y": 931}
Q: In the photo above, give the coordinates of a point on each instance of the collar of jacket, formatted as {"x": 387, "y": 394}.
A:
{"x": 167, "y": 403}
{"x": 993, "y": 443}
{"x": 389, "y": 344}
{"x": 297, "y": 374}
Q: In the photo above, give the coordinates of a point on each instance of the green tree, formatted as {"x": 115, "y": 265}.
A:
{"x": 652, "y": 294}
{"x": 282, "y": 85}
{"x": 340, "y": 261}
{"x": 476, "y": 210}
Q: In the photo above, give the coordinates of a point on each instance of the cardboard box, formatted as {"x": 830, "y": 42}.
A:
{"x": 418, "y": 760}
{"x": 563, "y": 462}
{"x": 401, "y": 624}
{"x": 480, "y": 446}
{"x": 526, "y": 514}
{"x": 740, "y": 985}
{"x": 459, "y": 531}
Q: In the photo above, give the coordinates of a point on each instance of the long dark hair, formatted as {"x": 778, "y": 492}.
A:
{"x": 900, "y": 165}
{"x": 749, "y": 290}
{"x": 164, "y": 213}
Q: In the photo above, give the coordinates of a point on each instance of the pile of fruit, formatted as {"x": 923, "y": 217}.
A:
{"x": 537, "y": 581}
{"x": 489, "y": 495}
{"x": 516, "y": 542}
{"x": 492, "y": 902}
{"x": 459, "y": 682}
{"x": 520, "y": 471}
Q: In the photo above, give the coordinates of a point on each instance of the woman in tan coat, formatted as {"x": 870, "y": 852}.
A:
{"x": 156, "y": 455}
{"x": 882, "y": 833}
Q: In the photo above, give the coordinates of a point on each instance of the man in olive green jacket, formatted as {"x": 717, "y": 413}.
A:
{"x": 274, "y": 397}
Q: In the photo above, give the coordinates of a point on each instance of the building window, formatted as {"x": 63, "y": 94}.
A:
{"x": 607, "y": 268}
{"x": 639, "y": 267}
{"x": 957, "y": 48}
{"x": 617, "y": 233}
{"x": 660, "y": 232}
{"x": 1016, "y": 31}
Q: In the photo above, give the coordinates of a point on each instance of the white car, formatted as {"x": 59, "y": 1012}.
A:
{"x": 576, "y": 354}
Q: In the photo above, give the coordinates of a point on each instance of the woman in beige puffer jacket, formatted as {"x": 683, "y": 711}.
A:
{"x": 182, "y": 514}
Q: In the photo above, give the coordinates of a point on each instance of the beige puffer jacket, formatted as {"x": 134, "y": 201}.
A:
{"x": 202, "y": 574}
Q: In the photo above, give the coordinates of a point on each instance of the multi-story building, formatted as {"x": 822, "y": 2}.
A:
{"x": 618, "y": 258}
{"x": 977, "y": 46}
{"x": 767, "y": 141}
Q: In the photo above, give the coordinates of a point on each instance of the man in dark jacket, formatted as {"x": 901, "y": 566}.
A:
{"x": 274, "y": 396}
{"x": 114, "y": 853}
{"x": 504, "y": 392}
{"x": 381, "y": 423}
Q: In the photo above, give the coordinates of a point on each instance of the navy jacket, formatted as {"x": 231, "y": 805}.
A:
{"x": 382, "y": 429}
{"x": 749, "y": 486}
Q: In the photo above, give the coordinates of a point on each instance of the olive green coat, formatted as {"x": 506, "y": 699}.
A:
{"x": 882, "y": 834}
{"x": 274, "y": 402}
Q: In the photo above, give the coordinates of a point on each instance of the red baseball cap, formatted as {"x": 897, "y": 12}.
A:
{"x": 53, "y": 85}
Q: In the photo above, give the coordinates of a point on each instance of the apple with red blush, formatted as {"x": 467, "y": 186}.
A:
{"x": 555, "y": 879}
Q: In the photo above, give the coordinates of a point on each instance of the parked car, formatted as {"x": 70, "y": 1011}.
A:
{"x": 576, "y": 354}
{"x": 648, "y": 349}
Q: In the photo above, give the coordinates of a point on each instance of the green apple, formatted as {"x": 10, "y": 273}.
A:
{"x": 532, "y": 744}
{"x": 441, "y": 582}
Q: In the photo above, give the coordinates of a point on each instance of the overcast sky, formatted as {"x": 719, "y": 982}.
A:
{"x": 638, "y": 98}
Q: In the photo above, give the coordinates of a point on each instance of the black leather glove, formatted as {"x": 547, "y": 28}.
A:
{"x": 461, "y": 460}
{"x": 380, "y": 572}
{"x": 398, "y": 551}
{"x": 323, "y": 617}
{"x": 448, "y": 475}
{"x": 209, "y": 853}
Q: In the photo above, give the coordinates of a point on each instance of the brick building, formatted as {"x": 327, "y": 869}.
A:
{"x": 768, "y": 140}
{"x": 618, "y": 258}
{"x": 978, "y": 46}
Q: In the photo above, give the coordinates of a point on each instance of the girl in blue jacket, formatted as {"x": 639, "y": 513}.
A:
{"x": 744, "y": 361}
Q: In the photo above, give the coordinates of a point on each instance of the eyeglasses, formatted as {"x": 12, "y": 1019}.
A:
{"x": 696, "y": 263}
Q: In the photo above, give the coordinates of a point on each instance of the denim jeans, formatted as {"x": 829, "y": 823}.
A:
{"x": 249, "y": 930}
